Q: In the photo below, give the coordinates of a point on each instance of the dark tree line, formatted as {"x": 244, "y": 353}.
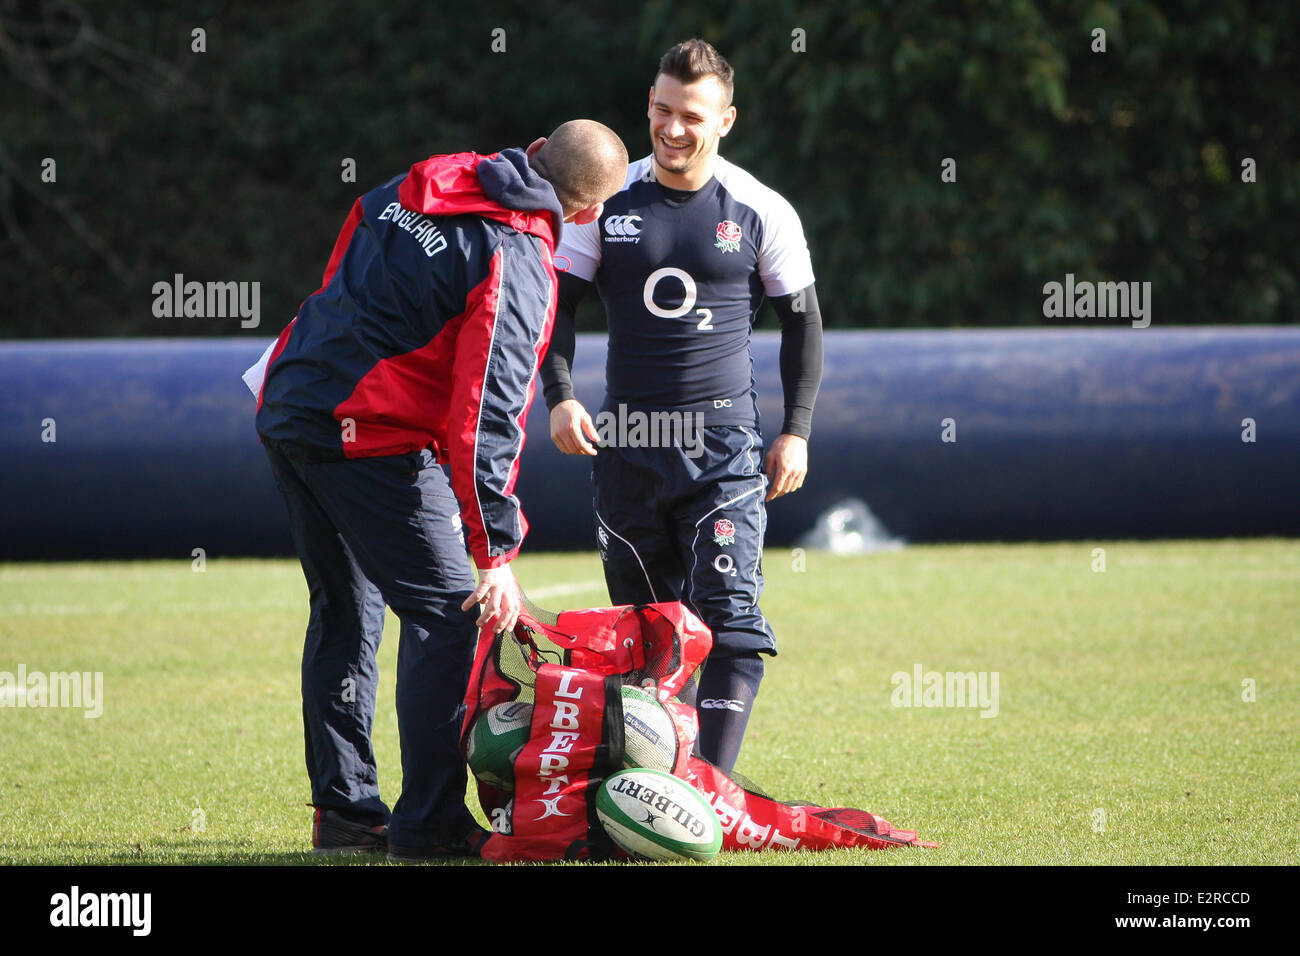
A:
{"x": 948, "y": 159}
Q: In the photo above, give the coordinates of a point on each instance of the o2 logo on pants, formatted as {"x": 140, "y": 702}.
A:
{"x": 688, "y": 298}
{"x": 724, "y": 565}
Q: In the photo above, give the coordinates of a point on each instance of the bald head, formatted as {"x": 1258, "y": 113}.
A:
{"x": 585, "y": 161}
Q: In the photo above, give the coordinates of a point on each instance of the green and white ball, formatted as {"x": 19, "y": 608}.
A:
{"x": 495, "y": 741}
{"x": 649, "y": 739}
{"x": 656, "y": 816}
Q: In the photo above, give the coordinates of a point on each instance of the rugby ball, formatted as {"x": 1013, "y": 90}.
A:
{"x": 495, "y": 741}
{"x": 656, "y": 816}
{"x": 649, "y": 739}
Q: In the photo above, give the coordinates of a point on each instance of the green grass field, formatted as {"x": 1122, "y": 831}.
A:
{"x": 1125, "y": 731}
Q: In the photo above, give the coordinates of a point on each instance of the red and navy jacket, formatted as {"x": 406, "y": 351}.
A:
{"x": 436, "y": 308}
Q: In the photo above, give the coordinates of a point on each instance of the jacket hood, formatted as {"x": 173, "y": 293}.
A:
{"x": 501, "y": 186}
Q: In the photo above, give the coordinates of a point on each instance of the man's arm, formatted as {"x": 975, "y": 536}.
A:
{"x": 557, "y": 367}
{"x": 801, "y": 375}
{"x": 497, "y": 353}
{"x": 572, "y": 429}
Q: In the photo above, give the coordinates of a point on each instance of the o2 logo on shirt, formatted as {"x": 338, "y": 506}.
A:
{"x": 688, "y": 300}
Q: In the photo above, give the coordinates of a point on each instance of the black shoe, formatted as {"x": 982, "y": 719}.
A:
{"x": 470, "y": 845}
{"x": 332, "y": 832}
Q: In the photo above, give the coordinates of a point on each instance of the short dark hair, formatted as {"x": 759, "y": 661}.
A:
{"x": 696, "y": 59}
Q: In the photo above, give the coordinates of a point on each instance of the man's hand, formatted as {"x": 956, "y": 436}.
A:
{"x": 787, "y": 465}
{"x": 572, "y": 429}
{"x": 498, "y": 592}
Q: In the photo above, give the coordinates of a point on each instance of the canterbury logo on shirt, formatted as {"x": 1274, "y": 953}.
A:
{"x": 622, "y": 228}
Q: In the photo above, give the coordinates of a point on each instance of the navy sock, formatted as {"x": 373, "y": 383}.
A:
{"x": 724, "y": 701}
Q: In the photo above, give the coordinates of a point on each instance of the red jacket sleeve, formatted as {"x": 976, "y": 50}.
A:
{"x": 505, "y": 332}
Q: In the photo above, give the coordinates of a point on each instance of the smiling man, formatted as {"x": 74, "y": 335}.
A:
{"x": 683, "y": 258}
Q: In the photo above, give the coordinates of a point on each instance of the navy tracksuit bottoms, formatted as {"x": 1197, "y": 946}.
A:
{"x": 674, "y": 526}
{"x": 371, "y": 532}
